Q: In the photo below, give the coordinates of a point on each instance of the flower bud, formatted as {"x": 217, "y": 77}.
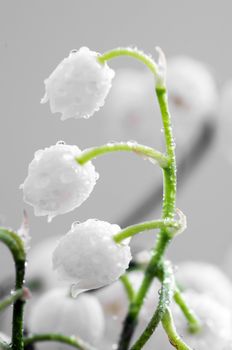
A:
{"x": 205, "y": 278}
{"x": 88, "y": 256}
{"x": 193, "y": 97}
{"x": 58, "y": 312}
{"x": 137, "y": 116}
{"x": 215, "y": 322}
{"x": 79, "y": 85}
{"x": 39, "y": 270}
{"x": 56, "y": 183}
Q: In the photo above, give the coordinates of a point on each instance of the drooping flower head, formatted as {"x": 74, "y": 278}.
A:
{"x": 88, "y": 256}
{"x": 79, "y": 85}
{"x": 56, "y": 184}
{"x": 193, "y": 97}
{"x": 215, "y": 322}
{"x": 56, "y": 311}
{"x": 211, "y": 280}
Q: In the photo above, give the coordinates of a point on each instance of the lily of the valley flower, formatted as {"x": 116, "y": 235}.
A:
{"x": 79, "y": 85}
{"x": 88, "y": 256}
{"x": 57, "y": 312}
{"x": 56, "y": 184}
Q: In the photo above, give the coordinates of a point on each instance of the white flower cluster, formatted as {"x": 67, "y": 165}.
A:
{"x": 87, "y": 256}
{"x": 79, "y": 84}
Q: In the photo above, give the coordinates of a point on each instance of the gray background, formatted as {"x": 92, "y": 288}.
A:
{"x": 37, "y": 35}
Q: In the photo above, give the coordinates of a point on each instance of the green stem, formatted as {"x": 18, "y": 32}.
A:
{"x": 193, "y": 321}
{"x": 163, "y": 238}
{"x": 11, "y": 299}
{"x": 165, "y": 298}
{"x": 128, "y": 286}
{"x": 75, "y": 342}
{"x": 138, "y": 55}
{"x": 145, "y": 226}
{"x": 149, "y": 152}
{"x": 16, "y": 246}
{"x": 169, "y": 327}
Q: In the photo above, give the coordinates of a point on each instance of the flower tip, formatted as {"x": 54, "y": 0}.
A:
{"x": 162, "y": 67}
{"x": 44, "y": 99}
{"x": 75, "y": 290}
{"x": 182, "y": 220}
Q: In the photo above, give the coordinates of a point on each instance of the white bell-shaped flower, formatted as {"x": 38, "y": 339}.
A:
{"x": 39, "y": 270}
{"x": 193, "y": 97}
{"x": 205, "y": 278}
{"x": 57, "y": 312}
{"x": 136, "y": 116}
{"x": 88, "y": 256}
{"x": 79, "y": 85}
{"x": 56, "y": 183}
{"x": 215, "y": 319}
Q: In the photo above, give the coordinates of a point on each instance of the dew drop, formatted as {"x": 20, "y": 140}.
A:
{"x": 60, "y": 143}
{"x": 74, "y": 224}
{"x": 132, "y": 143}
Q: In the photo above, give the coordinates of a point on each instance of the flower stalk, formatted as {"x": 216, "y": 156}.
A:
{"x": 142, "y": 150}
{"x": 16, "y": 246}
{"x": 74, "y": 342}
{"x": 194, "y": 324}
{"x": 170, "y": 329}
{"x": 166, "y": 294}
{"x": 18, "y": 294}
{"x": 130, "y": 231}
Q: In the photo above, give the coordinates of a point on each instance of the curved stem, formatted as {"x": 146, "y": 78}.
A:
{"x": 170, "y": 329}
{"x": 11, "y": 299}
{"x": 135, "y": 53}
{"x": 75, "y": 342}
{"x": 14, "y": 243}
{"x": 142, "y": 150}
{"x": 16, "y": 246}
{"x": 193, "y": 321}
{"x": 144, "y": 226}
{"x": 165, "y": 298}
{"x": 128, "y": 286}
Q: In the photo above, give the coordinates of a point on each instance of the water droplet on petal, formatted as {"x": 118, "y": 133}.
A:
{"x": 74, "y": 224}
{"x": 60, "y": 143}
